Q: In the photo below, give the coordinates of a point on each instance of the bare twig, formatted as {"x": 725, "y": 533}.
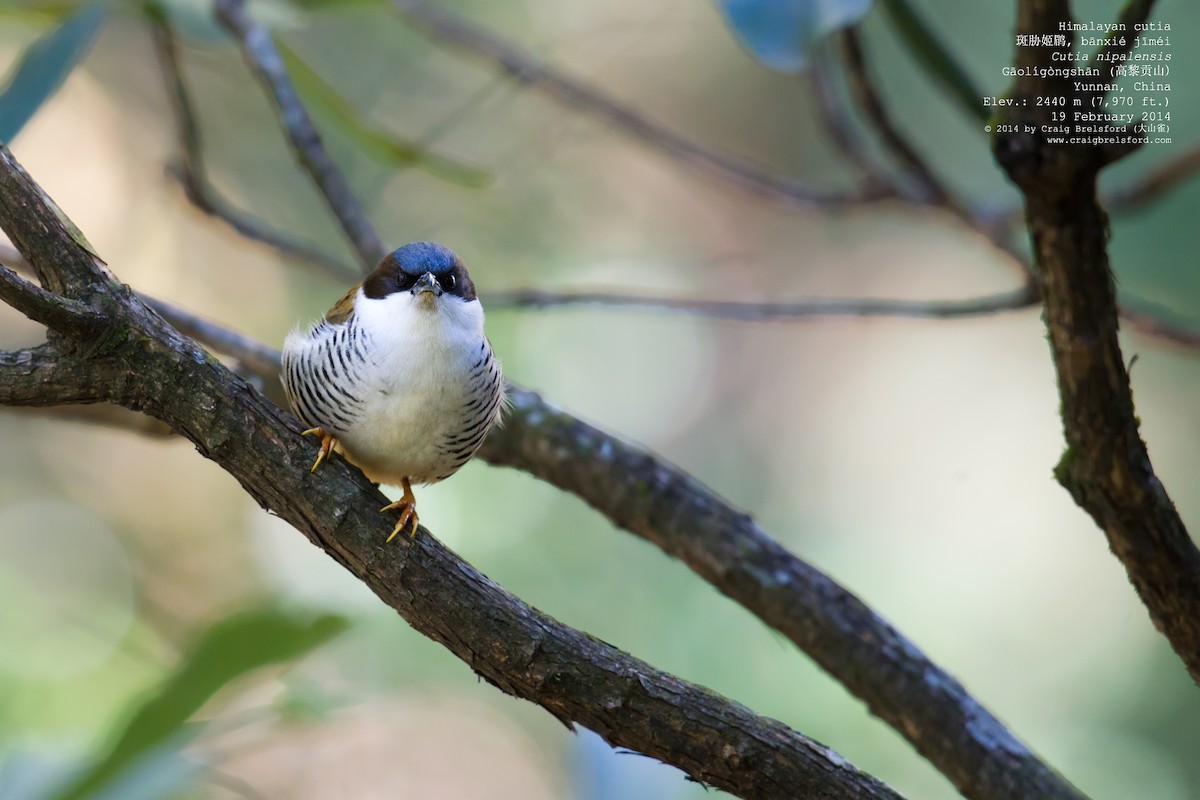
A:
{"x": 1150, "y": 324}
{"x": 267, "y": 66}
{"x": 839, "y": 127}
{"x": 256, "y": 357}
{"x": 1133, "y": 13}
{"x": 1153, "y": 184}
{"x": 928, "y": 49}
{"x": 441, "y": 23}
{"x": 929, "y": 187}
{"x": 777, "y": 310}
{"x": 46, "y": 307}
{"x": 192, "y": 175}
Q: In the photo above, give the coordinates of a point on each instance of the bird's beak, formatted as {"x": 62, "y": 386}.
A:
{"x": 427, "y": 283}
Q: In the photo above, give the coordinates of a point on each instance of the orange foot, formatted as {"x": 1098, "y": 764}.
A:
{"x": 327, "y": 443}
{"x": 408, "y": 510}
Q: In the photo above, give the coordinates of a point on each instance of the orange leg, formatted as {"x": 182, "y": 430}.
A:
{"x": 408, "y": 510}
{"x": 327, "y": 443}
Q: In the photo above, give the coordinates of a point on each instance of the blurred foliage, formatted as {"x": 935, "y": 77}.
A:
{"x": 229, "y": 649}
{"x": 45, "y": 64}
{"x": 144, "y": 759}
{"x": 911, "y": 460}
{"x": 384, "y": 148}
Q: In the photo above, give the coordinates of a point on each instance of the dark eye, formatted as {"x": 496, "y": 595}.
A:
{"x": 405, "y": 281}
{"x": 451, "y": 281}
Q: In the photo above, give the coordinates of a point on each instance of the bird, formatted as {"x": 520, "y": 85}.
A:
{"x": 399, "y": 376}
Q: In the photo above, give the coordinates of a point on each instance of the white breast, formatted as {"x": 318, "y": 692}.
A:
{"x": 429, "y": 375}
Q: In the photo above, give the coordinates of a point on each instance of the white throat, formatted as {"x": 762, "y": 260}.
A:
{"x": 403, "y": 322}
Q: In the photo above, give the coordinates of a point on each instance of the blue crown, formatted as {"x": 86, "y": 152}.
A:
{"x": 417, "y": 258}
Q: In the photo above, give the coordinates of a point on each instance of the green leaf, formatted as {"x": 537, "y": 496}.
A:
{"x": 934, "y": 56}
{"x": 226, "y": 651}
{"x": 780, "y": 33}
{"x": 378, "y": 144}
{"x": 44, "y": 66}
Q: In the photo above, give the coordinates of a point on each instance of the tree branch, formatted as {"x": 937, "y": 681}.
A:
{"x": 930, "y": 187}
{"x": 1106, "y": 467}
{"x": 784, "y": 309}
{"x": 68, "y": 270}
{"x": 520, "y": 650}
{"x": 442, "y": 24}
{"x": 1154, "y": 183}
{"x": 41, "y": 376}
{"x": 53, "y": 311}
{"x": 839, "y": 127}
{"x": 688, "y": 521}
{"x": 266, "y": 64}
{"x": 191, "y": 173}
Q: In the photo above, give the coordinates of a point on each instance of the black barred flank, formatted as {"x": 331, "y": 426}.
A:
{"x": 321, "y": 381}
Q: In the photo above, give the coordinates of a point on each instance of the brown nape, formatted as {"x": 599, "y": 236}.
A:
{"x": 383, "y": 280}
{"x": 343, "y": 308}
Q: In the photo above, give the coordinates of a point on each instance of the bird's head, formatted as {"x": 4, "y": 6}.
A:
{"x": 429, "y": 273}
{"x": 419, "y": 287}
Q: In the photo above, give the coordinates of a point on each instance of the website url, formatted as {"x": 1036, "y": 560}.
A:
{"x": 1108, "y": 140}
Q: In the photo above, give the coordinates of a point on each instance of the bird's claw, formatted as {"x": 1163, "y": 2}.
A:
{"x": 327, "y": 443}
{"x": 408, "y": 512}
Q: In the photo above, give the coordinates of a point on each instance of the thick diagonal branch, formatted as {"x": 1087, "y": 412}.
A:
{"x": 153, "y": 368}
{"x": 727, "y": 548}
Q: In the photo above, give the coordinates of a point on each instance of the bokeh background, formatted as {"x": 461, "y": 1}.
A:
{"x": 911, "y": 460}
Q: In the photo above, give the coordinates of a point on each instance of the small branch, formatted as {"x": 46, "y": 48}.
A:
{"x": 1154, "y": 183}
{"x": 931, "y": 189}
{"x": 256, "y": 357}
{"x": 862, "y": 86}
{"x": 40, "y": 376}
{"x": 264, "y": 61}
{"x": 63, "y": 266}
{"x": 839, "y": 126}
{"x": 55, "y": 312}
{"x": 1148, "y": 324}
{"x": 929, "y": 51}
{"x": 440, "y": 23}
{"x": 778, "y": 310}
{"x": 192, "y": 174}
{"x": 1133, "y": 13}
